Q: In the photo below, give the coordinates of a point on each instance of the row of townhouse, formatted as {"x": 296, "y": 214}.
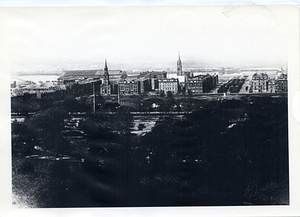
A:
{"x": 193, "y": 84}
{"x": 261, "y": 83}
{"x": 201, "y": 83}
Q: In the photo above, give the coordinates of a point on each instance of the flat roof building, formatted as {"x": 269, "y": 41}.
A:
{"x": 166, "y": 85}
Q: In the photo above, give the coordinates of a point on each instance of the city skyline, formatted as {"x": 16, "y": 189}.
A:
{"x": 139, "y": 37}
{"x": 230, "y": 150}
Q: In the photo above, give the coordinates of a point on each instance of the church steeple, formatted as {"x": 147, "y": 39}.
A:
{"x": 106, "y": 75}
{"x": 179, "y": 65}
{"x": 105, "y": 67}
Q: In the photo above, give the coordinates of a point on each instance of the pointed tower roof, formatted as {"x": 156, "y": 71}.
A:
{"x": 105, "y": 67}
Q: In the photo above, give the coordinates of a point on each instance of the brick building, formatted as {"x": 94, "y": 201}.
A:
{"x": 127, "y": 87}
{"x": 201, "y": 83}
{"x": 194, "y": 85}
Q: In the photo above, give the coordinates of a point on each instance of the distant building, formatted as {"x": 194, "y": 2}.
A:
{"x": 84, "y": 88}
{"x": 146, "y": 85}
{"x": 71, "y": 76}
{"x": 194, "y": 85}
{"x": 154, "y": 84}
{"x": 215, "y": 79}
{"x": 200, "y": 83}
{"x": 166, "y": 85}
{"x": 13, "y": 85}
{"x": 179, "y": 74}
{"x": 281, "y": 83}
{"x": 180, "y": 78}
{"x": 272, "y": 86}
{"x": 150, "y": 79}
{"x": 259, "y": 83}
{"x": 262, "y": 83}
{"x": 209, "y": 82}
{"x": 127, "y": 87}
{"x": 153, "y": 74}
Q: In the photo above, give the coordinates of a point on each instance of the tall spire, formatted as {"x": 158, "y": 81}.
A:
{"x": 106, "y": 75}
{"x": 179, "y": 65}
{"x": 105, "y": 67}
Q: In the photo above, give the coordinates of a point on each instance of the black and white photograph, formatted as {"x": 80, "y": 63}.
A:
{"x": 168, "y": 106}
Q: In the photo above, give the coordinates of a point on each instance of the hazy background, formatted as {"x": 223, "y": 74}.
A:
{"x": 52, "y": 39}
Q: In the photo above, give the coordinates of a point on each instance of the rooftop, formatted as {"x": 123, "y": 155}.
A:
{"x": 87, "y": 73}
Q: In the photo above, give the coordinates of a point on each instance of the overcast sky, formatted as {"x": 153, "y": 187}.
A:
{"x": 148, "y": 36}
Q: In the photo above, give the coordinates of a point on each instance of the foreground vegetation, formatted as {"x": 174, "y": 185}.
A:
{"x": 226, "y": 152}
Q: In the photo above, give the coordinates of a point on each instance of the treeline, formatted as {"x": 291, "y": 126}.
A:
{"x": 231, "y": 152}
{"x": 48, "y": 167}
{"x": 227, "y": 153}
{"x": 29, "y": 103}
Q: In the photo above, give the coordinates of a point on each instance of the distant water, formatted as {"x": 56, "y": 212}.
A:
{"x": 34, "y": 78}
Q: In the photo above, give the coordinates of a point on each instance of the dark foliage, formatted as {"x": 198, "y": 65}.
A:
{"x": 228, "y": 152}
